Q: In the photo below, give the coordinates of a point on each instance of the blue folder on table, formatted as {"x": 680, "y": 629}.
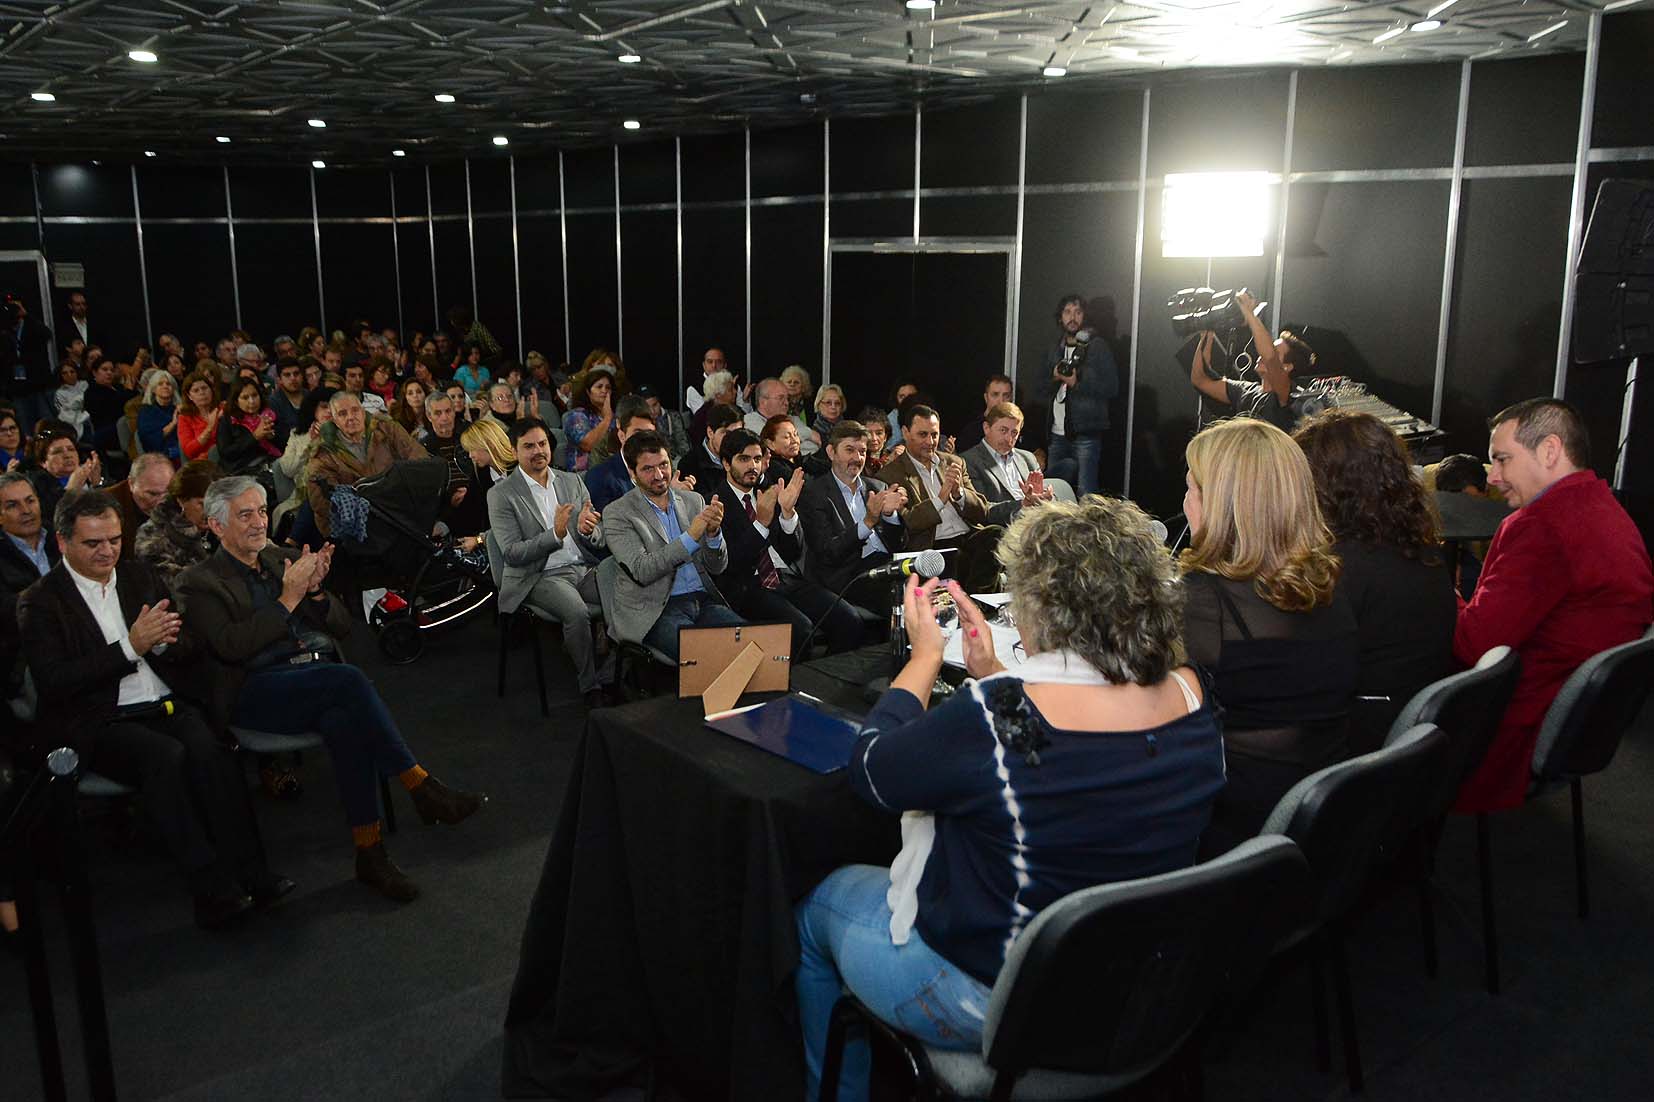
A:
{"x": 795, "y": 729}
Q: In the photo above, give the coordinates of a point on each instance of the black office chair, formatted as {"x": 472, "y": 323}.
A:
{"x": 634, "y": 662}
{"x": 1340, "y": 817}
{"x": 525, "y": 614}
{"x": 1107, "y": 984}
{"x": 1468, "y": 707}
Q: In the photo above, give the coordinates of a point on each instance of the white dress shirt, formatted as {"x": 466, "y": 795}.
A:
{"x": 789, "y": 525}
{"x": 141, "y": 685}
{"x": 1005, "y": 467}
{"x": 951, "y": 524}
{"x": 545, "y": 500}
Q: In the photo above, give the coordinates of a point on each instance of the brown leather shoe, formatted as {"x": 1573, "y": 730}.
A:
{"x": 437, "y": 803}
{"x": 375, "y": 868}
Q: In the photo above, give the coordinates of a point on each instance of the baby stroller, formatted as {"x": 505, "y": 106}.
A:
{"x": 385, "y": 529}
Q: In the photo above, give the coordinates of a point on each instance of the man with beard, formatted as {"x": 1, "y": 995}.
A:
{"x": 851, "y": 523}
{"x": 1080, "y": 376}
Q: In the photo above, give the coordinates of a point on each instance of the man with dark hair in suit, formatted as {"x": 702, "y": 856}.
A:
{"x": 944, "y": 509}
{"x": 27, "y": 550}
{"x": 704, "y": 463}
{"x": 762, "y": 525}
{"x": 27, "y": 374}
{"x": 102, "y": 641}
{"x": 851, "y": 523}
{"x": 612, "y": 479}
{"x": 1002, "y": 472}
{"x": 545, "y": 528}
{"x": 670, "y": 545}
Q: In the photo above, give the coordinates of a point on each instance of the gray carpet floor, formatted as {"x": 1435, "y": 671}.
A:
{"x": 339, "y": 994}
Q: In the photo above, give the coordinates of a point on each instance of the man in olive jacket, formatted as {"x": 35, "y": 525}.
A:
{"x": 354, "y": 446}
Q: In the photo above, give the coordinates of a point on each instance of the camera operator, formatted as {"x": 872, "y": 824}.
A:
{"x": 1083, "y": 377}
{"x": 1272, "y": 398}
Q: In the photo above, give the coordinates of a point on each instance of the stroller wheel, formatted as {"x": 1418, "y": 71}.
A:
{"x": 400, "y": 642}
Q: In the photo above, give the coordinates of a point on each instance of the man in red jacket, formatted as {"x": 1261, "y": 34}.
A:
{"x": 1567, "y": 576}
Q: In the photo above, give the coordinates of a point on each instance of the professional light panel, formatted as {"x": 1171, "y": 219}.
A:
{"x": 1207, "y": 214}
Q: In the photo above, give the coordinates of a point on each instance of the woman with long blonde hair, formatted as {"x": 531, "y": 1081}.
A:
{"x": 1264, "y": 616}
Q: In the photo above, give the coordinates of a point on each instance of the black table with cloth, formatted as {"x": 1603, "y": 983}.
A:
{"x": 660, "y": 940}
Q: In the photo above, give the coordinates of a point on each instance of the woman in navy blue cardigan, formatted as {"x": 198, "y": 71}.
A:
{"x": 1096, "y": 759}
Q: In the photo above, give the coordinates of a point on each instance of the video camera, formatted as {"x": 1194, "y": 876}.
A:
{"x": 1201, "y": 309}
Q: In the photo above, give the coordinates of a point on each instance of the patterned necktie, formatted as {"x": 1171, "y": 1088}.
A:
{"x": 768, "y": 576}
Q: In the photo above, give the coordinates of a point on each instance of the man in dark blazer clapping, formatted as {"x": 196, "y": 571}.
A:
{"x": 851, "y": 523}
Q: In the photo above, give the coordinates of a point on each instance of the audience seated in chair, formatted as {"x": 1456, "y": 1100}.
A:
{"x": 549, "y": 534}
{"x": 265, "y": 625}
{"x": 1109, "y": 755}
{"x": 944, "y": 509}
{"x": 1567, "y": 576}
{"x": 770, "y": 399}
{"x": 1002, "y": 472}
{"x": 1394, "y": 574}
{"x": 851, "y": 523}
{"x": 176, "y": 535}
{"x": 27, "y": 550}
{"x": 669, "y": 544}
{"x": 762, "y": 581}
{"x": 610, "y": 480}
{"x": 1264, "y": 615}
{"x": 353, "y": 446}
{"x": 704, "y": 463}
{"x": 105, "y": 646}
{"x": 144, "y": 488}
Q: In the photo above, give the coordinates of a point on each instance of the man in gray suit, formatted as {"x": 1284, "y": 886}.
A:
{"x": 544, "y": 525}
{"x": 1003, "y": 473}
{"x": 669, "y": 543}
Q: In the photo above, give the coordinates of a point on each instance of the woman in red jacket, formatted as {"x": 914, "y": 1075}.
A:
{"x": 199, "y": 414}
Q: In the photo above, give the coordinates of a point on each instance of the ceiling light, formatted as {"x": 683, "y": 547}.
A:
{"x": 318, "y": 164}
{"x": 42, "y": 97}
{"x": 222, "y": 140}
{"x": 1053, "y": 71}
{"x": 1389, "y": 34}
{"x": 399, "y": 153}
{"x": 629, "y": 59}
{"x": 632, "y": 124}
{"x": 444, "y": 97}
{"x": 501, "y": 139}
{"x": 1426, "y": 25}
{"x": 146, "y": 56}
{"x": 319, "y": 124}
{"x": 149, "y": 153}
{"x": 1439, "y": 8}
{"x": 1552, "y": 29}
{"x": 920, "y": 5}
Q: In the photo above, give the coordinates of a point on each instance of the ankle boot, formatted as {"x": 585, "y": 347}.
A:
{"x": 375, "y": 868}
{"x": 437, "y": 803}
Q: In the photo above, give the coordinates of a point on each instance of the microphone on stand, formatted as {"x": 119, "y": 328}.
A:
{"x": 927, "y": 564}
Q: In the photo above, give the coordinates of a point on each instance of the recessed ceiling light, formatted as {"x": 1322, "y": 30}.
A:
{"x": 399, "y": 153}
{"x": 1054, "y": 71}
{"x": 632, "y": 124}
{"x": 222, "y": 140}
{"x": 42, "y": 97}
{"x": 444, "y": 97}
{"x": 501, "y": 139}
{"x": 1389, "y": 34}
{"x": 1426, "y": 25}
{"x": 921, "y": 5}
{"x": 318, "y": 164}
{"x": 629, "y": 59}
{"x": 146, "y": 56}
{"x": 319, "y": 124}
{"x": 149, "y": 153}
{"x": 1552, "y": 29}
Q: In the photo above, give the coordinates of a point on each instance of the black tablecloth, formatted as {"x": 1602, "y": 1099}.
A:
{"x": 661, "y": 932}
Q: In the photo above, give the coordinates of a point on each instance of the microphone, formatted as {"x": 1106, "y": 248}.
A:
{"x": 1158, "y": 529}
{"x": 927, "y": 564}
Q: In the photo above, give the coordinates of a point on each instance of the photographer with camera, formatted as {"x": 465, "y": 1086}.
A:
{"x": 1272, "y": 398}
{"x": 26, "y": 375}
{"x": 1083, "y": 377}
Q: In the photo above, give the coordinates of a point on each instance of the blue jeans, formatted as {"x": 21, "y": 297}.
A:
{"x": 338, "y": 702}
{"x": 844, "y": 943}
{"x": 1075, "y": 458}
{"x": 690, "y": 610}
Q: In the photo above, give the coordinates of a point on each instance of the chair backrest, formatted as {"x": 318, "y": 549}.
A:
{"x": 123, "y": 434}
{"x": 1468, "y": 707}
{"x": 560, "y": 455}
{"x": 284, "y": 485}
{"x": 1584, "y": 724}
{"x": 1111, "y": 980}
{"x": 1341, "y": 816}
{"x": 606, "y": 571}
{"x": 496, "y": 558}
{"x": 1061, "y": 490}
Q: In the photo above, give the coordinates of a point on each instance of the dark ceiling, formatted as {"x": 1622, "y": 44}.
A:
{"x": 549, "y": 74}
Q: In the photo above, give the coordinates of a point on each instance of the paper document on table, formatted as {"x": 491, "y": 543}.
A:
{"x": 1007, "y": 642}
{"x": 992, "y": 600}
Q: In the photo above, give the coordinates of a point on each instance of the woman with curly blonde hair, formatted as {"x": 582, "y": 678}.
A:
{"x": 1263, "y": 614}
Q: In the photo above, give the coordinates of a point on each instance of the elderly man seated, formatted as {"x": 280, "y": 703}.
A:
{"x": 268, "y": 630}
{"x": 144, "y": 487}
{"x": 353, "y": 446}
{"x": 105, "y": 650}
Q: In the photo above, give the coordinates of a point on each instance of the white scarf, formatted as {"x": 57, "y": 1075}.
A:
{"x": 1059, "y": 667}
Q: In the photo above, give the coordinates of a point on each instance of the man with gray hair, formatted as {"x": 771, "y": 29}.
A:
{"x": 269, "y": 632}
{"x": 250, "y": 357}
{"x": 720, "y": 391}
{"x": 143, "y": 488}
{"x": 106, "y": 650}
{"x": 770, "y": 400}
{"x": 353, "y": 446}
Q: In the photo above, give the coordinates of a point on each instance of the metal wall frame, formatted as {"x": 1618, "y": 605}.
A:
{"x": 143, "y": 266}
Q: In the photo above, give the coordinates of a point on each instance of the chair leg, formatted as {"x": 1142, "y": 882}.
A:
{"x": 390, "y": 808}
{"x": 843, "y": 1016}
{"x": 1346, "y": 1010}
{"x": 1318, "y": 1010}
{"x": 1490, "y": 935}
{"x": 505, "y": 642}
{"x": 539, "y": 667}
{"x": 1574, "y": 787}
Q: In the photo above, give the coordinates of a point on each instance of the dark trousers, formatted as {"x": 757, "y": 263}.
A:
{"x": 971, "y": 558}
{"x": 1252, "y": 788}
{"x": 688, "y": 610}
{"x": 193, "y": 790}
{"x": 339, "y": 703}
{"x": 801, "y": 603}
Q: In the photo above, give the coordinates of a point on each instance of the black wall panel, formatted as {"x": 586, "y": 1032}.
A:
{"x": 883, "y": 218}
{"x": 714, "y": 288}
{"x": 270, "y": 192}
{"x": 1624, "y": 107}
{"x": 592, "y": 305}
{"x": 99, "y": 191}
{"x": 650, "y": 272}
{"x": 448, "y": 188}
{"x": 453, "y": 264}
{"x": 180, "y": 191}
{"x": 1224, "y": 124}
{"x": 589, "y": 178}
{"x": 358, "y": 276}
{"x": 788, "y": 161}
{"x": 352, "y": 193}
{"x": 536, "y": 184}
{"x": 278, "y": 278}
{"x": 491, "y": 183}
{"x": 1524, "y": 111}
{"x": 714, "y": 167}
{"x": 190, "y": 293}
{"x": 113, "y": 288}
{"x": 1083, "y": 137}
{"x": 1383, "y": 116}
{"x": 648, "y": 173}
{"x": 496, "y": 283}
{"x": 413, "y": 245}
{"x": 972, "y": 216}
{"x": 971, "y": 146}
{"x": 16, "y": 189}
{"x": 873, "y": 154}
{"x": 786, "y": 288}
{"x": 541, "y": 245}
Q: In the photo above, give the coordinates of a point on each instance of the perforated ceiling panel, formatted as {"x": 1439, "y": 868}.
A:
{"x": 544, "y": 74}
